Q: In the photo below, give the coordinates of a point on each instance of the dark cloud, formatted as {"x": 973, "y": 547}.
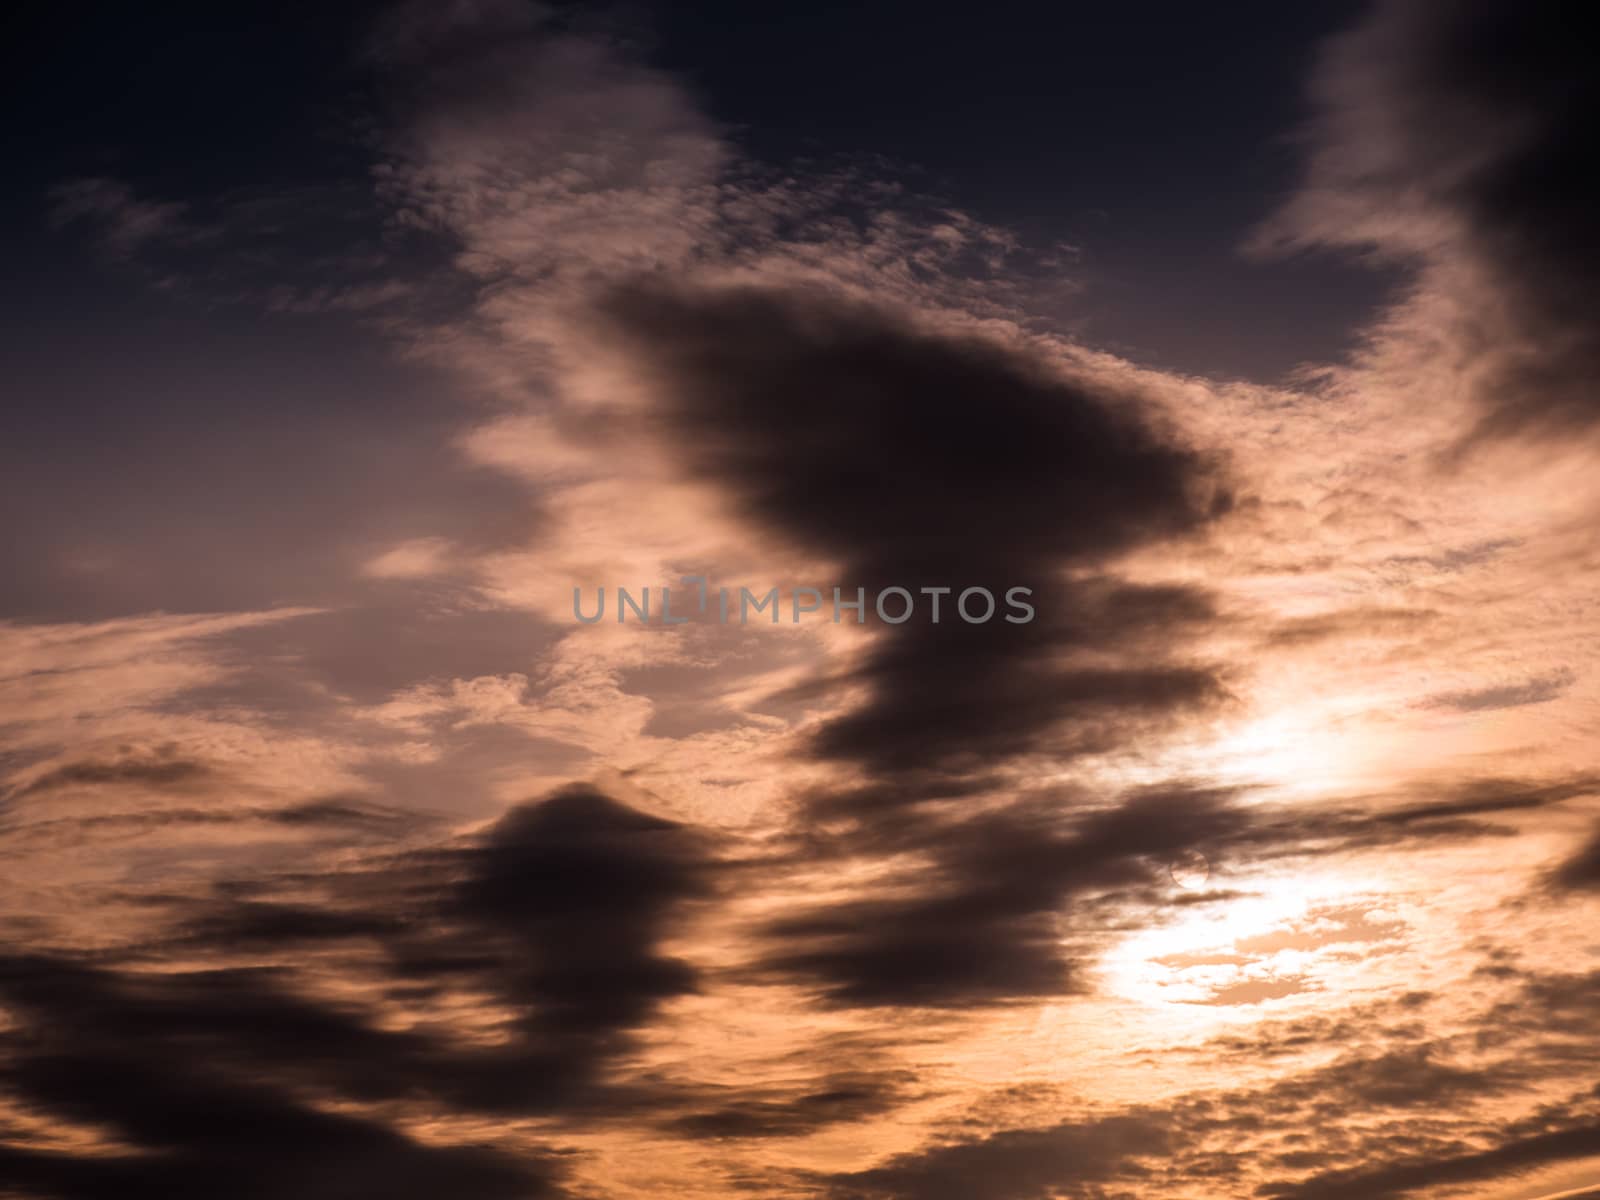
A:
{"x": 955, "y": 698}
{"x": 1459, "y": 134}
{"x": 339, "y": 812}
{"x": 1435, "y": 812}
{"x": 211, "y": 795}
{"x": 1513, "y": 1155}
{"x": 156, "y": 1063}
{"x": 758, "y": 1112}
{"x": 1538, "y": 690}
{"x": 1361, "y": 1120}
{"x": 1582, "y": 870}
{"x": 1366, "y": 621}
{"x": 1555, "y": 1008}
{"x": 989, "y": 905}
{"x": 1488, "y": 795}
{"x": 918, "y": 458}
{"x": 1405, "y": 1077}
{"x": 895, "y": 448}
{"x": 1375, "y": 1105}
{"x": 923, "y": 458}
{"x": 982, "y": 915}
{"x": 551, "y": 920}
{"x": 242, "y": 923}
{"x": 158, "y": 769}
{"x": 1456, "y": 559}
{"x": 556, "y": 913}
{"x": 1018, "y": 1164}
{"x": 582, "y": 886}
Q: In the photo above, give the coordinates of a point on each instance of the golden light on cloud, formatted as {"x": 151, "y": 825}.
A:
{"x": 1261, "y": 938}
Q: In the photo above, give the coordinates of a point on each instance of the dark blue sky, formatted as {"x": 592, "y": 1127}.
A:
{"x": 1152, "y": 137}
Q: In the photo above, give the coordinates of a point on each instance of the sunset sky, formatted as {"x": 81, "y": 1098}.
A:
{"x": 345, "y": 345}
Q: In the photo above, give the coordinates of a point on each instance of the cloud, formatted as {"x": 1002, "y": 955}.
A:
{"x": 546, "y": 155}
{"x": 918, "y": 457}
{"x": 1582, "y": 870}
{"x": 917, "y": 454}
{"x": 982, "y": 914}
{"x": 890, "y": 445}
{"x": 156, "y": 771}
{"x": 839, "y": 1097}
{"x": 553, "y": 917}
{"x": 1357, "y": 1107}
{"x": 582, "y": 885}
{"x": 556, "y": 911}
{"x": 1567, "y": 1141}
{"x": 1539, "y": 690}
{"x": 1453, "y": 137}
{"x": 1014, "y": 1164}
{"x": 897, "y": 917}
{"x": 178, "y": 1074}
{"x": 122, "y": 221}
{"x": 997, "y": 904}
{"x": 1363, "y": 622}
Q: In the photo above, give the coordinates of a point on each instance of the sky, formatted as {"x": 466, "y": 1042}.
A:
{"x": 1166, "y": 769}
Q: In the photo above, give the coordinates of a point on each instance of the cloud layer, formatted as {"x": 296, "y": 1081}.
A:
{"x": 339, "y": 859}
